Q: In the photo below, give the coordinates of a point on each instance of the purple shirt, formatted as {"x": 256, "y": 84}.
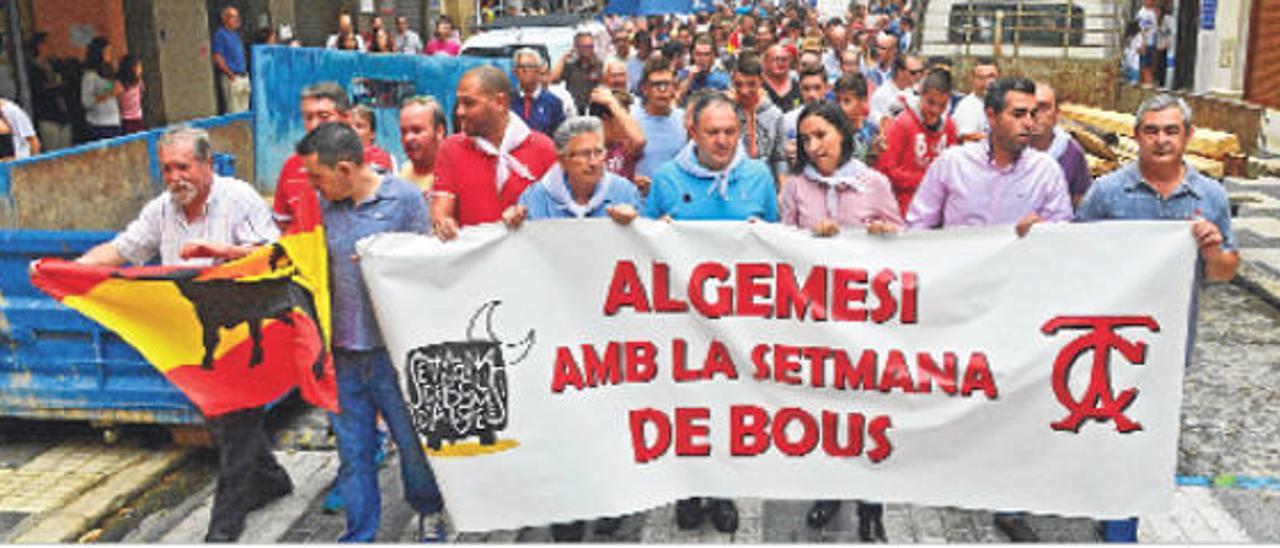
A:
{"x": 804, "y": 202}
{"x": 1076, "y": 169}
{"x": 964, "y": 187}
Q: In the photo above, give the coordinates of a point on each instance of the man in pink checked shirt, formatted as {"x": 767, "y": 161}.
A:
{"x": 998, "y": 180}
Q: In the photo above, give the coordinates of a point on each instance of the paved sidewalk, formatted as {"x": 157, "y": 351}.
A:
{"x": 1257, "y": 229}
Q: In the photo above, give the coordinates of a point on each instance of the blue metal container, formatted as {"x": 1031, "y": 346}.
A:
{"x": 58, "y": 364}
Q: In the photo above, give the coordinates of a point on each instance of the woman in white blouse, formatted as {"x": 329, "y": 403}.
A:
{"x": 98, "y": 92}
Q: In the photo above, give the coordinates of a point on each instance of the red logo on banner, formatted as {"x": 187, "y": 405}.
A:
{"x": 1100, "y": 402}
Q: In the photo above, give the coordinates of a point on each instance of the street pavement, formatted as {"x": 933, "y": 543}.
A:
{"x": 60, "y": 484}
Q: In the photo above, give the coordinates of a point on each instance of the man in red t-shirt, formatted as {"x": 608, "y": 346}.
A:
{"x": 322, "y": 102}
{"x": 483, "y": 169}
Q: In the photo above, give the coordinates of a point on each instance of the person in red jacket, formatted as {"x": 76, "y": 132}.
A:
{"x": 483, "y": 170}
{"x": 322, "y": 102}
{"x": 916, "y": 136}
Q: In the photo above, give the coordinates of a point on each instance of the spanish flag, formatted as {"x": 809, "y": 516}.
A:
{"x": 234, "y": 336}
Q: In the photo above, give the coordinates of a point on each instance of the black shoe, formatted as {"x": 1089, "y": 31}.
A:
{"x": 607, "y": 526}
{"x": 1016, "y": 528}
{"x": 225, "y": 531}
{"x": 272, "y": 492}
{"x": 690, "y": 513}
{"x": 871, "y": 523}
{"x": 569, "y": 532}
{"x": 724, "y": 515}
{"x": 821, "y": 513}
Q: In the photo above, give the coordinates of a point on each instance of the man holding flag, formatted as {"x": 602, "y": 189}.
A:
{"x": 203, "y": 220}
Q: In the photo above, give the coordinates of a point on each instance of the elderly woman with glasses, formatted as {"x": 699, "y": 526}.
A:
{"x": 578, "y": 186}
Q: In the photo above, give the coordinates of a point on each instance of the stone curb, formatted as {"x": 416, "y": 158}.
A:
{"x": 66, "y": 524}
{"x": 1259, "y": 281}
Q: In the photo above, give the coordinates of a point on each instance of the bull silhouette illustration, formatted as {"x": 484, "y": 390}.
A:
{"x": 459, "y": 389}
{"x": 222, "y": 303}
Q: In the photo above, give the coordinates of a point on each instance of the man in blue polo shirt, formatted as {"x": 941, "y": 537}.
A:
{"x": 228, "y": 59}
{"x": 1162, "y": 186}
{"x": 358, "y": 202}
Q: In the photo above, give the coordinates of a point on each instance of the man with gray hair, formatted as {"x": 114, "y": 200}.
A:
{"x": 1162, "y": 186}
{"x": 231, "y": 220}
{"x": 539, "y": 108}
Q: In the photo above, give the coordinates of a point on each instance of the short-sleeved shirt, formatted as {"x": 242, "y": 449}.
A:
{"x": 580, "y": 78}
{"x": 424, "y": 182}
{"x": 19, "y": 127}
{"x": 971, "y": 116}
{"x": 683, "y": 196}
{"x": 964, "y": 187}
{"x": 450, "y": 47}
{"x": 664, "y": 137}
{"x": 234, "y": 214}
{"x": 409, "y": 43}
{"x": 295, "y": 193}
{"x": 466, "y": 172}
{"x": 397, "y": 206}
{"x": 231, "y": 48}
{"x": 1124, "y": 194}
{"x": 542, "y": 205}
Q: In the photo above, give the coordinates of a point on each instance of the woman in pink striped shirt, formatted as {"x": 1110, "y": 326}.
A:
{"x": 831, "y": 188}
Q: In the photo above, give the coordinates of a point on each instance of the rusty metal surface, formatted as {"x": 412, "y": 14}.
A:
{"x": 236, "y": 138}
{"x": 99, "y": 189}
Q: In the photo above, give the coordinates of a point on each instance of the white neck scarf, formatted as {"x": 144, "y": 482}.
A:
{"x": 848, "y": 176}
{"x": 1060, "y": 141}
{"x": 557, "y": 186}
{"x": 688, "y": 161}
{"x": 517, "y": 131}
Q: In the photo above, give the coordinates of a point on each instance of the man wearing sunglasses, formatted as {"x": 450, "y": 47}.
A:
{"x": 888, "y": 99}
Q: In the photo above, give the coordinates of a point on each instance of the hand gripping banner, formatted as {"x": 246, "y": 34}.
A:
{"x": 234, "y": 336}
{"x": 574, "y": 369}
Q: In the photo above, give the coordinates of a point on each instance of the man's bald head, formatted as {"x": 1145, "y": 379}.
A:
{"x": 491, "y": 80}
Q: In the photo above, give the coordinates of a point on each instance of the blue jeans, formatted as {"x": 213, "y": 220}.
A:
{"x": 367, "y": 384}
{"x": 1120, "y": 530}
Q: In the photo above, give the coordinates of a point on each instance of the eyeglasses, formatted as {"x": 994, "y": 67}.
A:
{"x": 528, "y": 67}
{"x": 916, "y": 72}
{"x": 588, "y": 154}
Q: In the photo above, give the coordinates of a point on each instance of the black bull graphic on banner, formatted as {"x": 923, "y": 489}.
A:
{"x": 459, "y": 389}
{"x": 224, "y": 304}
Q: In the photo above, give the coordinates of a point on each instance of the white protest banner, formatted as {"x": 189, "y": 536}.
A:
{"x": 572, "y": 369}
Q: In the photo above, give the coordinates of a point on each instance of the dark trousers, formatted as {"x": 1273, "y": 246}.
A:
{"x": 248, "y": 474}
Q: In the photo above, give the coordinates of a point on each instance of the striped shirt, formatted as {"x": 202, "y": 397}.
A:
{"x": 234, "y": 214}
